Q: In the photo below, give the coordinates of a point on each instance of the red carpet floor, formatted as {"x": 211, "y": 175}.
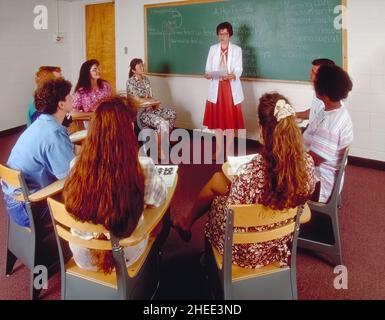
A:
{"x": 362, "y": 229}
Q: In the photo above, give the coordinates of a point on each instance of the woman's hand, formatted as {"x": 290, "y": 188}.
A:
{"x": 229, "y": 77}
{"x": 208, "y": 77}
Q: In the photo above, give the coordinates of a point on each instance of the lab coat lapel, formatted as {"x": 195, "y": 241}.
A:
{"x": 229, "y": 58}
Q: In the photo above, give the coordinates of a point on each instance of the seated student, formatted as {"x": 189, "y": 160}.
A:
{"x": 44, "y": 74}
{"x": 44, "y": 151}
{"x": 158, "y": 118}
{"x": 110, "y": 185}
{"x": 316, "y": 104}
{"x": 280, "y": 176}
{"x": 331, "y": 131}
{"x": 91, "y": 88}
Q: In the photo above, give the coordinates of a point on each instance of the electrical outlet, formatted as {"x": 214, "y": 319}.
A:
{"x": 58, "y": 38}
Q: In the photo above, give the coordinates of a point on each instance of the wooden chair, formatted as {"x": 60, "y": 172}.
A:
{"x": 139, "y": 281}
{"x": 330, "y": 209}
{"x": 268, "y": 282}
{"x": 27, "y": 244}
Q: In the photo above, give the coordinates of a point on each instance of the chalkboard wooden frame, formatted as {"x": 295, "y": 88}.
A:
{"x": 344, "y": 58}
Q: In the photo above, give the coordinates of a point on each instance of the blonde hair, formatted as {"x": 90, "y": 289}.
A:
{"x": 45, "y": 73}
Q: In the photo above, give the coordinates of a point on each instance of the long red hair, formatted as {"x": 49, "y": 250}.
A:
{"x": 106, "y": 185}
{"x": 284, "y": 155}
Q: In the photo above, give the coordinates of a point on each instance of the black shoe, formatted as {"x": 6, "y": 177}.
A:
{"x": 185, "y": 235}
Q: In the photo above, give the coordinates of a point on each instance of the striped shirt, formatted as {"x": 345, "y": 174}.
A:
{"x": 317, "y": 105}
{"x": 329, "y": 133}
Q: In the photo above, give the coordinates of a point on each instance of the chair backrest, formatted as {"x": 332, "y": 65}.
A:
{"x": 14, "y": 178}
{"x": 254, "y": 215}
{"x": 63, "y": 222}
{"x": 258, "y": 215}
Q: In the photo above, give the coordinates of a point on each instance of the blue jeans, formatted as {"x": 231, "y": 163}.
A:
{"x": 17, "y": 211}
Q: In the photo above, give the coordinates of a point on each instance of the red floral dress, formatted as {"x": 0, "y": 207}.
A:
{"x": 247, "y": 188}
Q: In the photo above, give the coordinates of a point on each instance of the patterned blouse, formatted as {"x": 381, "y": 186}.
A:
{"x": 87, "y": 100}
{"x": 139, "y": 88}
{"x": 247, "y": 188}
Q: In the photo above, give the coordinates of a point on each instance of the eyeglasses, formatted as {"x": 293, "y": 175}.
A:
{"x": 223, "y": 34}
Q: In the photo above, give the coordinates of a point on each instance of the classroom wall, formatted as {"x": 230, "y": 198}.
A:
{"x": 24, "y": 49}
{"x": 366, "y": 57}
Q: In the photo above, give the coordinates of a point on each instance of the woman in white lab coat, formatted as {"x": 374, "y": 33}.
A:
{"x": 224, "y": 69}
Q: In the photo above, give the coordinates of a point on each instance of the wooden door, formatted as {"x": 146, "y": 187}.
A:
{"x": 100, "y": 38}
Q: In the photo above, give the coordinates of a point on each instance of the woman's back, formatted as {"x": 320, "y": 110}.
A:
{"x": 247, "y": 188}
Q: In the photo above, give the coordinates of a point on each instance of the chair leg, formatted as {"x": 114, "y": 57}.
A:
{"x": 11, "y": 260}
{"x": 336, "y": 256}
{"x": 34, "y": 293}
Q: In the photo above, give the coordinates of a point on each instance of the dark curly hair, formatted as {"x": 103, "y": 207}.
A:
{"x": 332, "y": 81}
{"x": 48, "y": 95}
{"x": 225, "y": 25}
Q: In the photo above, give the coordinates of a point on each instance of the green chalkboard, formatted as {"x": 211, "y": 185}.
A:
{"x": 279, "y": 38}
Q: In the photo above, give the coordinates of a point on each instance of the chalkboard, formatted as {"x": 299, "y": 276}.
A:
{"x": 279, "y": 38}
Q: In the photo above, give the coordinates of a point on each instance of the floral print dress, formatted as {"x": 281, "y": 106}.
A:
{"x": 247, "y": 188}
{"x": 87, "y": 100}
{"x": 159, "y": 119}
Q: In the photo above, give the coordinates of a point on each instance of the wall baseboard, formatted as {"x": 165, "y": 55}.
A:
{"x": 367, "y": 163}
{"x": 13, "y": 130}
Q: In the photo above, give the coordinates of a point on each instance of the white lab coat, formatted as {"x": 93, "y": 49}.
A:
{"x": 234, "y": 66}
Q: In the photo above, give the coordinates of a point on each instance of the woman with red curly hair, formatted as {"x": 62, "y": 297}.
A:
{"x": 110, "y": 185}
{"x": 280, "y": 176}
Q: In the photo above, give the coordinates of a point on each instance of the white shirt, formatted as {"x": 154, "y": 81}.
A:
{"x": 234, "y": 66}
{"x": 316, "y": 106}
{"x": 329, "y": 133}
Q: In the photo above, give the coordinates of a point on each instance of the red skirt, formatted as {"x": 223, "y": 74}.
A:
{"x": 223, "y": 114}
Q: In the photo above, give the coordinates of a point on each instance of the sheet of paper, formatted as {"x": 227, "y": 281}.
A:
{"x": 236, "y": 162}
{"x": 217, "y": 74}
{"x": 168, "y": 173}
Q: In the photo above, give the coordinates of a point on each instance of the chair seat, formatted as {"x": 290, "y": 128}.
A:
{"x": 239, "y": 273}
{"x": 108, "y": 280}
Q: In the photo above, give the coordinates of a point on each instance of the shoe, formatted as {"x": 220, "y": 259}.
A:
{"x": 185, "y": 235}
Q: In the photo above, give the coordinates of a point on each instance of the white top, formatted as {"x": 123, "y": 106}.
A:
{"x": 316, "y": 106}
{"x": 328, "y": 134}
{"x": 155, "y": 194}
{"x": 234, "y": 66}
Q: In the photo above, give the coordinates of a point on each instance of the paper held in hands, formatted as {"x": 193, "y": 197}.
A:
{"x": 236, "y": 162}
{"x": 168, "y": 173}
{"x": 217, "y": 74}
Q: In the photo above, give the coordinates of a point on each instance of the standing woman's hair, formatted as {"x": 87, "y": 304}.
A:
{"x": 134, "y": 62}
{"x": 84, "y": 80}
{"x": 225, "y": 25}
{"x": 283, "y": 153}
{"x": 106, "y": 185}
